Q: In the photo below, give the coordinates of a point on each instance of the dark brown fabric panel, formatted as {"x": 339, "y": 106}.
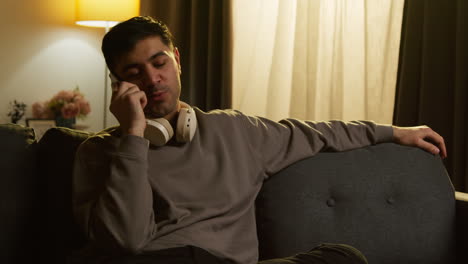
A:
{"x": 203, "y": 35}
{"x": 432, "y": 76}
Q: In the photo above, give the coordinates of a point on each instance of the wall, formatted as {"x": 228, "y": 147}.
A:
{"x": 42, "y": 52}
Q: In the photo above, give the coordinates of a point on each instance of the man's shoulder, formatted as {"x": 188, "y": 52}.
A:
{"x": 234, "y": 117}
{"x": 220, "y": 117}
{"x": 227, "y": 113}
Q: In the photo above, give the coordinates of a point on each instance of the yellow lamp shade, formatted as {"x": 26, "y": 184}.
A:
{"x": 105, "y": 13}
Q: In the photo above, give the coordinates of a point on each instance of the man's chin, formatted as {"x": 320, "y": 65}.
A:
{"x": 153, "y": 115}
{"x": 158, "y": 112}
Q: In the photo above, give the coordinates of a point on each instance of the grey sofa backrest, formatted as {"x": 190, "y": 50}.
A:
{"x": 396, "y": 204}
{"x": 36, "y": 222}
{"x": 20, "y": 192}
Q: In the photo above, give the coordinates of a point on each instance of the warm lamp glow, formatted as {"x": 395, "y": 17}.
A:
{"x": 105, "y": 13}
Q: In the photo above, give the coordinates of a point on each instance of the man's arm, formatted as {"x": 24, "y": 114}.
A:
{"x": 112, "y": 196}
{"x": 279, "y": 144}
{"x": 113, "y": 199}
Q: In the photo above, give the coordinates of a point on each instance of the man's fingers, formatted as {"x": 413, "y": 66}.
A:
{"x": 119, "y": 88}
{"x": 143, "y": 100}
{"x": 428, "y": 146}
{"x": 444, "y": 151}
{"x": 124, "y": 90}
{"x": 438, "y": 140}
{"x": 115, "y": 88}
{"x": 134, "y": 96}
{"x": 129, "y": 91}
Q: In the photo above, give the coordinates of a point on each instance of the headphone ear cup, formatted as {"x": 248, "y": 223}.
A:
{"x": 186, "y": 125}
{"x": 158, "y": 131}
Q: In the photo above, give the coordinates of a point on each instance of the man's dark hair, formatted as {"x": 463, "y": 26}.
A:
{"x": 124, "y": 36}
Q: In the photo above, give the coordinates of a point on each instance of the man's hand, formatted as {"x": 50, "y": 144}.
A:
{"x": 422, "y": 137}
{"x": 127, "y": 104}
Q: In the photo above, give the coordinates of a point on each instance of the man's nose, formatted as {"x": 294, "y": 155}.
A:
{"x": 152, "y": 77}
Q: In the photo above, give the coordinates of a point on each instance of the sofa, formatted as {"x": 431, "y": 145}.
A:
{"x": 394, "y": 203}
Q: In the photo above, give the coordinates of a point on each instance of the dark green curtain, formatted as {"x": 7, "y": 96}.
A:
{"x": 433, "y": 76}
{"x": 202, "y": 31}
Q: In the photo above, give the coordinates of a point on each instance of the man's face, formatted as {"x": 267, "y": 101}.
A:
{"x": 155, "y": 69}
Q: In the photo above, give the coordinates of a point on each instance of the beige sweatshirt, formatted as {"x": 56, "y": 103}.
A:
{"x": 132, "y": 197}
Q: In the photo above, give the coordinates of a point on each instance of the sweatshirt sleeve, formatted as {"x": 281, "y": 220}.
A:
{"x": 112, "y": 197}
{"x": 279, "y": 144}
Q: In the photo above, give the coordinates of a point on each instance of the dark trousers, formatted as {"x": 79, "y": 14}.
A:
{"x": 323, "y": 254}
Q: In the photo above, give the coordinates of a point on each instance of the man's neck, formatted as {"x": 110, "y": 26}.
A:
{"x": 172, "y": 117}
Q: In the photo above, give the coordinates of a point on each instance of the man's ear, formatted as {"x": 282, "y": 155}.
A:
{"x": 177, "y": 57}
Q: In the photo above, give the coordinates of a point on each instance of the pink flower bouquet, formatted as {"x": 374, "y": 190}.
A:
{"x": 66, "y": 104}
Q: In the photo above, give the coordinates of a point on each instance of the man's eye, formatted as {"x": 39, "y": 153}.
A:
{"x": 132, "y": 76}
{"x": 159, "y": 64}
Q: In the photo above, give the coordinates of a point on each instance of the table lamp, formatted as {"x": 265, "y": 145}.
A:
{"x": 105, "y": 14}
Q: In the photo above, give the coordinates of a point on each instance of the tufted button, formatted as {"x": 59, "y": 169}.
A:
{"x": 331, "y": 202}
{"x": 390, "y": 200}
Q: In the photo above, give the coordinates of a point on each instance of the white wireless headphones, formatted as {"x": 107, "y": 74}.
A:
{"x": 159, "y": 131}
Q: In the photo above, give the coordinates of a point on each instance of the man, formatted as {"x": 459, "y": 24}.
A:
{"x": 192, "y": 200}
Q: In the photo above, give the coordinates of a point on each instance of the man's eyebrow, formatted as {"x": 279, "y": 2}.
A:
{"x": 154, "y": 56}
{"x": 161, "y": 53}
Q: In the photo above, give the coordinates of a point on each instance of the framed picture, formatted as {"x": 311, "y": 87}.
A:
{"x": 40, "y": 126}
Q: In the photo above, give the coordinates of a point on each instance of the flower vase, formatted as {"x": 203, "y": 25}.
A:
{"x": 65, "y": 122}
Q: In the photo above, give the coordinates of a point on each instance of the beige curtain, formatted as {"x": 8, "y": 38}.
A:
{"x": 316, "y": 59}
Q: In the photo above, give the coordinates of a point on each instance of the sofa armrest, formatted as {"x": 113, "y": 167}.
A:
{"x": 461, "y": 196}
{"x": 462, "y": 223}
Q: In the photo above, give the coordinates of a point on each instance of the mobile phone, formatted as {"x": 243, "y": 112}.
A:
{"x": 113, "y": 78}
